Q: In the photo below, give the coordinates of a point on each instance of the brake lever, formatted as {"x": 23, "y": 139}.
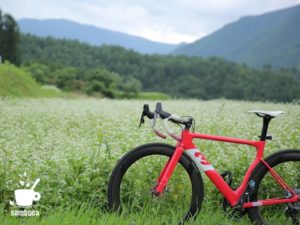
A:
{"x": 153, "y": 118}
{"x": 142, "y": 120}
{"x": 146, "y": 112}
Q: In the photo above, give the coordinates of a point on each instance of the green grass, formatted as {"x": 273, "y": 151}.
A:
{"x": 153, "y": 96}
{"x": 72, "y": 145}
{"x": 15, "y": 82}
{"x": 92, "y": 216}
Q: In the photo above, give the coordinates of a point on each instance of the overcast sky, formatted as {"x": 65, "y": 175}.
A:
{"x": 170, "y": 21}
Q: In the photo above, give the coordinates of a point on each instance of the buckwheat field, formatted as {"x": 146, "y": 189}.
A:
{"x": 73, "y": 145}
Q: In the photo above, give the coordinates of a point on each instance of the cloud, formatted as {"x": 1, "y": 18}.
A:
{"x": 167, "y": 21}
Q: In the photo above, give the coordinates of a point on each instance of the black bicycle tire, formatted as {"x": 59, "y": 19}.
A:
{"x": 260, "y": 172}
{"x": 150, "y": 149}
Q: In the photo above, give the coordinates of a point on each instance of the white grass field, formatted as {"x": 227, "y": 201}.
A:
{"x": 73, "y": 145}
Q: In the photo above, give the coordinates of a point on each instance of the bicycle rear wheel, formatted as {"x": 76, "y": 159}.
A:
{"x": 134, "y": 177}
{"x": 287, "y": 165}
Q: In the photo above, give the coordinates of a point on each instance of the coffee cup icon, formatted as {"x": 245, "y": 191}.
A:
{"x": 25, "y": 197}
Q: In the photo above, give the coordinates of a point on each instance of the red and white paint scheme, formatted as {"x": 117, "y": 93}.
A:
{"x": 199, "y": 159}
{"x": 185, "y": 144}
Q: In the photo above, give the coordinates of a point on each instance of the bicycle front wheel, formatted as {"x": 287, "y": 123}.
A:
{"x": 134, "y": 177}
{"x": 287, "y": 165}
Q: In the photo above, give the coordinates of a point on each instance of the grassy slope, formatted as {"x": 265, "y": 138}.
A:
{"x": 14, "y": 82}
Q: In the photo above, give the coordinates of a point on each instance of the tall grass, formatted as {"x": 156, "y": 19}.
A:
{"x": 73, "y": 145}
{"x": 93, "y": 216}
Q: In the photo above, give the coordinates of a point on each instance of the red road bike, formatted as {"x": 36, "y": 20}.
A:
{"x": 168, "y": 178}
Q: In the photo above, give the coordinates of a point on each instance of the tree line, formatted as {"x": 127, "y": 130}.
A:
{"x": 9, "y": 39}
{"x": 95, "y": 81}
{"x": 178, "y": 76}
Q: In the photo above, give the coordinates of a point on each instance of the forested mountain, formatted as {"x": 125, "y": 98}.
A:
{"x": 60, "y": 28}
{"x": 272, "y": 38}
{"x": 68, "y": 64}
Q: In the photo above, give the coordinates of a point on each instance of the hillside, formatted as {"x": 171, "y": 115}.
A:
{"x": 272, "y": 38}
{"x": 72, "y": 65}
{"x": 60, "y": 28}
{"x": 14, "y": 82}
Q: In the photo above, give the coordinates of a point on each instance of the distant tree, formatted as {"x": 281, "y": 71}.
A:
{"x": 102, "y": 81}
{"x": 9, "y": 39}
{"x": 65, "y": 77}
{"x": 190, "y": 86}
{"x": 39, "y": 72}
{"x": 131, "y": 88}
{"x": 1, "y": 36}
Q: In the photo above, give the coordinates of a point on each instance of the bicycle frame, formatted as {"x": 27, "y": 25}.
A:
{"x": 233, "y": 196}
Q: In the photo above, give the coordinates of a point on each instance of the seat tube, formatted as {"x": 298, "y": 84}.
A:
{"x": 168, "y": 169}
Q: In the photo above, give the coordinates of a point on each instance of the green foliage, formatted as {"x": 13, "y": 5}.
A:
{"x": 131, "y": 88}
{"x": 94, "y": 82}
{"x": 39, "y": 72}
{"x": 15, "y": 82}
{"x": 9, "y": 39}
{"x": 103, "y": 81}
{"x": 177, "y": 76}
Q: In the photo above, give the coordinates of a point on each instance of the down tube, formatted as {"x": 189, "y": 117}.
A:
{"x": 202, "y": 163}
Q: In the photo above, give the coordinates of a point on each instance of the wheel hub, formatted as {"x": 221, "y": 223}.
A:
{"x": 155, "y": 194}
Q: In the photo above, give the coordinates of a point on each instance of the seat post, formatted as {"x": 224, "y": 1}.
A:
{"x": 264, "y": 131}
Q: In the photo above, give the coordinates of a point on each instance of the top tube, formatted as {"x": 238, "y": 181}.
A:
{"x": 187, "y": 137}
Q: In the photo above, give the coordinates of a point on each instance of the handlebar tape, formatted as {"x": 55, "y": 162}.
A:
{"x": 161, "y": 113}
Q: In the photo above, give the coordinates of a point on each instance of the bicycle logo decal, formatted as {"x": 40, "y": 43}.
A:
{"x": 199, "y": 159}
{"x": 25, "y": 197}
